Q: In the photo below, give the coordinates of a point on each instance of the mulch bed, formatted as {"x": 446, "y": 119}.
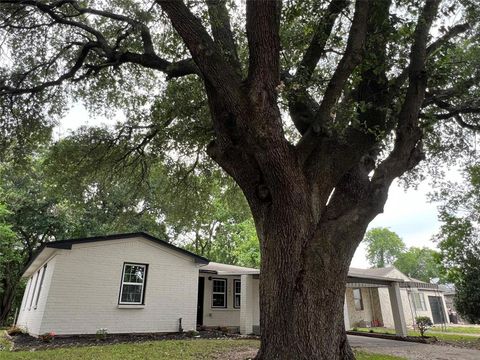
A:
{"x": 417, "y": 339}
{"x": 25, "y": 342}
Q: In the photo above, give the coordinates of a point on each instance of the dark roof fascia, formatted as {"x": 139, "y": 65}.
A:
{"x": 208, "y": 271}
{"x": 67, "y": 244}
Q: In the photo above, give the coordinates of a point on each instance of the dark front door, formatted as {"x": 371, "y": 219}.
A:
{"x": 201, "y": 291}
{"x": 437, "y": 309}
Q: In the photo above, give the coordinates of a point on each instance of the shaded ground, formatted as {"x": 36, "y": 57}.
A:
{"x": 414, "y": 351}
{"x": 27, "y": 342}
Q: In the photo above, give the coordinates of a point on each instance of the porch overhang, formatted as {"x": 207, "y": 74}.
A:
{"x": 393, "y": 285}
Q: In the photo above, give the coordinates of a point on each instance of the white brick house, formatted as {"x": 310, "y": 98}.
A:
{"x": 135, "y": 283}
{"x": 126, "y": 283}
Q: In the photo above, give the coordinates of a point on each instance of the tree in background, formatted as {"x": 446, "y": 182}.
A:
{"x": 383, "y": 247}
{"x": 40, "y": 211}
{"x": 467, "y": 289}
{"x": 370, "y": 88}
{"x": 459, "y": 240}
{"x": 9, "y": 260}
{"x": 419, "y": 263}
{"x": 386, "y": 248}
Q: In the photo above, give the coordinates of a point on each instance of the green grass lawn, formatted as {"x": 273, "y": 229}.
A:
{"x": 432, "y": 332}
{"x": 474, "y": 330}
{"x": 158, "y": 350}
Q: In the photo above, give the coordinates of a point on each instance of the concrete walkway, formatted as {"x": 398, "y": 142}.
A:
{"x": 410, "y": 350}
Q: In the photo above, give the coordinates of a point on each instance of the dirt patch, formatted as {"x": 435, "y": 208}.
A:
{"x": 461, "y": 344}
{"x": 26, "y": 342}
{"x": 243, "y": 353}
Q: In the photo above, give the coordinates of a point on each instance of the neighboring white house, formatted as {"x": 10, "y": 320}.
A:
{"x": 368, "y": 303}
{"x": 136, "y": 283}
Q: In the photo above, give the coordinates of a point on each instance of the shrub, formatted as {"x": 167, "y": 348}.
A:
{"x": 14, "y": 330}
{"x": 355, "y": 329}
{"x": 423, "y": 324}
{"x": 191, "y": 333}
{"x": 47, "y": 337}
{"x": 101, "y": 334}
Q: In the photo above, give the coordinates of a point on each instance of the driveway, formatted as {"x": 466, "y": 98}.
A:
{"x": 412, "y": 350}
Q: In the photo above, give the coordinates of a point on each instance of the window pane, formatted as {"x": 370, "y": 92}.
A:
{"x": 218, "y": 300}
{"x": 238, "y": 287}
{"x": 134, "y": 274}
{"x": 237, "y": 301}
{"x": 218, "y": 286}
{"x": 132, "y": 293}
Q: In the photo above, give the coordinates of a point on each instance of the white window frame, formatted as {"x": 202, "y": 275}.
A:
{"x": 34, "y": 290}
{"x": 224, "y": 306}
{"x": 235, "y": 293}
{"x": 142, "y": 284}
{"x": 44, "y": 268}
{"x": 421, "y": 306}
{"x": 27, "y": 295}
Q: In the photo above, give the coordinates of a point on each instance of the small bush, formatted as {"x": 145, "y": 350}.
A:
{"x": 14, "y": 330}
{"x": 101, "y": 334}
{"x": 191, "y": 333}
{"x": 423, "y": 323}
{"x": 355, "y": 329}
{"x": 371, "y": 331}
{"x": 47, "y": 337}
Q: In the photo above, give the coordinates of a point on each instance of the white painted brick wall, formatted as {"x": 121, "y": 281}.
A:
{"x": 228, "y": 316}
{"x": 30, "y": 317}
{"x": 84, "y": 290}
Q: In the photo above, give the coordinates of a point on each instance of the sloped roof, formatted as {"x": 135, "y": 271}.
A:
{"x": 48, "y": 248}
{"x": 389, "y": 272}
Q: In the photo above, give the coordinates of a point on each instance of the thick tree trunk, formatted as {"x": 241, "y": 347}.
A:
{"x": 302, "y": 292}
{"x": 302, "y": 283}
{"x": 6, "y": 302}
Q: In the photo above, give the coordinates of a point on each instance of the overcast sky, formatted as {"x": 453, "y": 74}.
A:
{"x": 408, "y": 213}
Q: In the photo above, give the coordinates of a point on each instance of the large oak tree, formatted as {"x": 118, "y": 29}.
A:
{"x": 366, "y": 85}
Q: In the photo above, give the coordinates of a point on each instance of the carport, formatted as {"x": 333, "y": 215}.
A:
{"x": 358, "y": 280}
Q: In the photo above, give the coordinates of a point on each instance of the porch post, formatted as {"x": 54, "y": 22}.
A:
{"x": 397, "y": 309}
{"x": 346, "y": 316}
{"x": 246, "y": 305}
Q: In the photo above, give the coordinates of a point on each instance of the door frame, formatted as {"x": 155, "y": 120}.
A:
{"x": 200, "y": 300}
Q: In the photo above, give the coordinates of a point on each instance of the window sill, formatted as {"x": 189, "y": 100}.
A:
{"x": 133, "y": 306}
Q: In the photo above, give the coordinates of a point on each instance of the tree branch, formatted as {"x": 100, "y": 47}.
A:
{"x": 454, "y": 31}
{"x": 205, "y": 52}
{"x": 352, "y": 57}
{"x": 263, "y": 24}
{"x": 408, "y": 150}
{"x": 222, "y": 32}
{"x": 456, "y": 112}
{"x": 101, "y": 47}
{"x": 302, "y": 106}
{"x": 449, "y": 35}
{"x": 316, "y": 48}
